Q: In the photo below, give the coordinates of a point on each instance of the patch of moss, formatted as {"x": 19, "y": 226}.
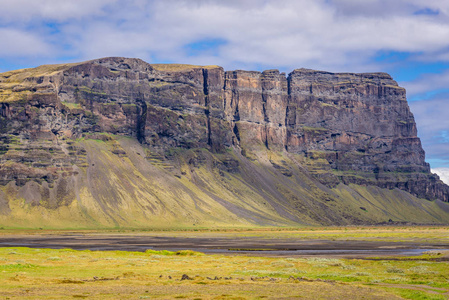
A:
{"x": 71, "y": 105}
{"x": 315, "y": 130}
{"x": 89, "y": 90}
{"x": 158, "y": 84}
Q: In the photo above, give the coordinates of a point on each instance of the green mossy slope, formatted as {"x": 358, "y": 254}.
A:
{"x": 122, "y": 184}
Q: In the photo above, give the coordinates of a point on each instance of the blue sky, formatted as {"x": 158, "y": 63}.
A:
{"x": 407, "y": 38}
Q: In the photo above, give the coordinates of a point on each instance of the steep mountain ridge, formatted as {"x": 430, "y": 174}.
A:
{"x": 120, "y": 142}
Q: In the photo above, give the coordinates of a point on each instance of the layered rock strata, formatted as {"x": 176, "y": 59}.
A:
{"x": 348, "y": 128}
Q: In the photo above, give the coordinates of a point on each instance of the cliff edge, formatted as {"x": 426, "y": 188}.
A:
{"x": 120, "y": 142}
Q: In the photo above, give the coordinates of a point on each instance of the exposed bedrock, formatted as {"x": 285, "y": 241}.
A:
{"x": 347, "y": 128}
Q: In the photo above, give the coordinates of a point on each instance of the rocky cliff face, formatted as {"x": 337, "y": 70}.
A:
{"x": 334, "y": 129}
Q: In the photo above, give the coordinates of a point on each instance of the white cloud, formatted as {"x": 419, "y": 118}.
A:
{"x": 305, "y": 32}
{"x": 20, "y": 43}
{"x": 433, "y": 126}
{"x": 337, "y": 35}
{"x": 26, "y": 10}
{"x": 386, "y": 8}
{"x": 443, "y": 173}
{"x": 427, "y": 83}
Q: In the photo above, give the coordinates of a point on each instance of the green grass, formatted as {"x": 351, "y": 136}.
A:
{"x": 65, "y": 274}
{"x": 415, "y": 234}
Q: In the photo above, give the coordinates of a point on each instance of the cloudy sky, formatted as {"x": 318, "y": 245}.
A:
{"x": 407, "y": 38}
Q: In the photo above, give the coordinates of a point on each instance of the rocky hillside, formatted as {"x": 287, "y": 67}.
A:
{"x": 117, "y": 142}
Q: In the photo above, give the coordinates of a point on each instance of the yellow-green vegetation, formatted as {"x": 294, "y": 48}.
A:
{"x": 158, "y": 84}
{"x": 124, "y": 185}
{"x": 399, "y": 205}
{"x": 72, "y": 105}
{"x": 408, "y": 234}
{"x": 315, "y": 130}
{"x": 19, "y": 76}
{"x": 66, "y": 274}
{"x": 89, "y": 90}
{"x": 18, "y": 85}
{"x": 180, "y": 67}
{"x": 328, "y": 104}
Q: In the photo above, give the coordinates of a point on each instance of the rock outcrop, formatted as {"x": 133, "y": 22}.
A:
{"x": 333, "y": 128}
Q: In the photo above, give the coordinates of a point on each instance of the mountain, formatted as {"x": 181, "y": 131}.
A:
{"x": 118, "y": 142}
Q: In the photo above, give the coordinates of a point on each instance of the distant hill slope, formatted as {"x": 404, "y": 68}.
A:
{"x": 117, "y": 142}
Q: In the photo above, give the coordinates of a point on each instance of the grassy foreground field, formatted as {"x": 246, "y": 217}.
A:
{"x": 70, "y": 274}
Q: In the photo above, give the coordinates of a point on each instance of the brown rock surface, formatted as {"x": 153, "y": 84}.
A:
{"x": 339, "y": 128}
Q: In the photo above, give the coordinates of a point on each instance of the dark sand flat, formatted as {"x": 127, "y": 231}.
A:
{"x": 242, "y": 246}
